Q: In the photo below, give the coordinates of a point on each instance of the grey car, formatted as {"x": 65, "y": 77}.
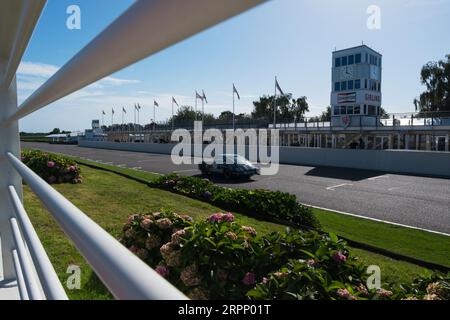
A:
{"x": 230, "y": 166}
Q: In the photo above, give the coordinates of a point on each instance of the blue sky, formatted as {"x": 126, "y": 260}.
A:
{"x": 292, "y": 39}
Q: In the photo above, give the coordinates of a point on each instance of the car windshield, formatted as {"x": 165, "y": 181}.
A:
{"x": 234, "y": 158}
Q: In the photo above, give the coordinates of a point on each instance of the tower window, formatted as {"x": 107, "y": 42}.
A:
{"x": 351, "y": 59}
{"x": 337, "y": 62}
{"x": 350, "y": 85}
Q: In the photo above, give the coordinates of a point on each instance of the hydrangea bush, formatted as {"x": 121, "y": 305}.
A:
{"x": 51, "y": 167}
{"x": 272, "y": 205}
{"x": 217, "y": 258}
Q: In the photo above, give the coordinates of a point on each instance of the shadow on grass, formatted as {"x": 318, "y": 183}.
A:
{"x": 96, "y": 288}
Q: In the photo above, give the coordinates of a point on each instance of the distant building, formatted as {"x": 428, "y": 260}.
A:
{"x": 96, "y": 133}
{"x": 356, "y": 87}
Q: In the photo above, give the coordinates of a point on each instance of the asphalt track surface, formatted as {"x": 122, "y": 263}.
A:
{"x": 422, "y": 202}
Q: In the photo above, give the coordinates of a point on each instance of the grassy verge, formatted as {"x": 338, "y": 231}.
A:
{"x": 109, "y": 199}
{"x": 410, "y": 242}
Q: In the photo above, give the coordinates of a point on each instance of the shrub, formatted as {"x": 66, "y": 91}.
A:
{"x": 145, "y": 234}
{"x": 431, "y": 286}
{"x": 218, "y": 258}
{"x": 273, "y": 205}
{"x": 51, "y": 167}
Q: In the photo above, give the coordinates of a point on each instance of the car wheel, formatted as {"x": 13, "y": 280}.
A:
{"x": 227, "y": 175}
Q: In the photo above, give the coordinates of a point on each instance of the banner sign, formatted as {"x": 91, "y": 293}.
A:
{"x": 346, "y": 98}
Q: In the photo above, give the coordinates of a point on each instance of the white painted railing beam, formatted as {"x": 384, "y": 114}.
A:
{"x": 31, "y": 283}
{"x": 28, "y": 18}
{"x": 145, "y": 28}
{"x": 50, "y": 283}
{"x": 20, "y": 278}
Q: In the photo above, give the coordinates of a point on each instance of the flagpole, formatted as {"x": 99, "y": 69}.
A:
{"x": 275, "y": 105}
{"x": 195, "y": 105}
{"x": 172, "y": 113}
{"x": 233, "y": 106}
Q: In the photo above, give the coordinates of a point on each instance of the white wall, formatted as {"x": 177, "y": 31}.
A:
{"x": 402, "y": 161}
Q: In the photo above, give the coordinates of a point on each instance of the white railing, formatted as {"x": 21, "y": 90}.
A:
{"x": 148, "y": 26}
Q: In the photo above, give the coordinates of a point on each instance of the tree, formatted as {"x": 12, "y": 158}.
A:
{"x": 300, "y": 107}
{"x": 55, "y": 131}
{"x": 225, "y": 116}
{"x": 326, "y": 115}
{"x": 287, "y": 108}
{"x": 186, "y": 114}
{"x": 383, "y": 113}
{"x": 436, "y": 77}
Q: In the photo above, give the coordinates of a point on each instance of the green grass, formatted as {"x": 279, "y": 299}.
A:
{"x": 109, "y": 199}
{"x": 423, "y": 245}
{"x": 392, "y": 271}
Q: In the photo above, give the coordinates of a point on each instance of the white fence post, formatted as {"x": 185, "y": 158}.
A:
{"x": 9, "y": 142}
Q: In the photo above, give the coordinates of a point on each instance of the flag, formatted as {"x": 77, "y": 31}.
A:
{"x": 175, "y": 101}
{"x": 123, "y": 110}
{"x": 139, "y": 106}
{"x": 278, "y": 87}
{"x": 197, "y": 96}
{"x": 112, "y": 110}
{"x": 103, "y": 112}
{"x": 155, "y": 103}
{"x": 235, "y": 91}
{"x": 136, "y": 107}
{"x": 204, "y": 96}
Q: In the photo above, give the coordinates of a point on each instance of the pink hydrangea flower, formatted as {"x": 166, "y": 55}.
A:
{"x": 216, "y": 217}
{"x": 265, "y": 280}
{"x": 251, "y": 231}
{"x": 249, "y": 279}
{"x": 228, "y": 217}
{"x": 50, "y": 164}
{"x": 72, "y": 168}
{"x": 146, "y": 223}
{"x": 339, "y": 257}
{"x": 162, "y": 270}
{"x": 384, "y": 293}
{"x": 345, "y": 294}
{"x": 164, "y": 223}
{"x": 177, "y": 236}
{"x": 221, "y": 217}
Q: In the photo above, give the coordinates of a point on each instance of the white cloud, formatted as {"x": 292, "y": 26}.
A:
{"x": 41, "y": 70}
{"x": 36, "y": 69}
